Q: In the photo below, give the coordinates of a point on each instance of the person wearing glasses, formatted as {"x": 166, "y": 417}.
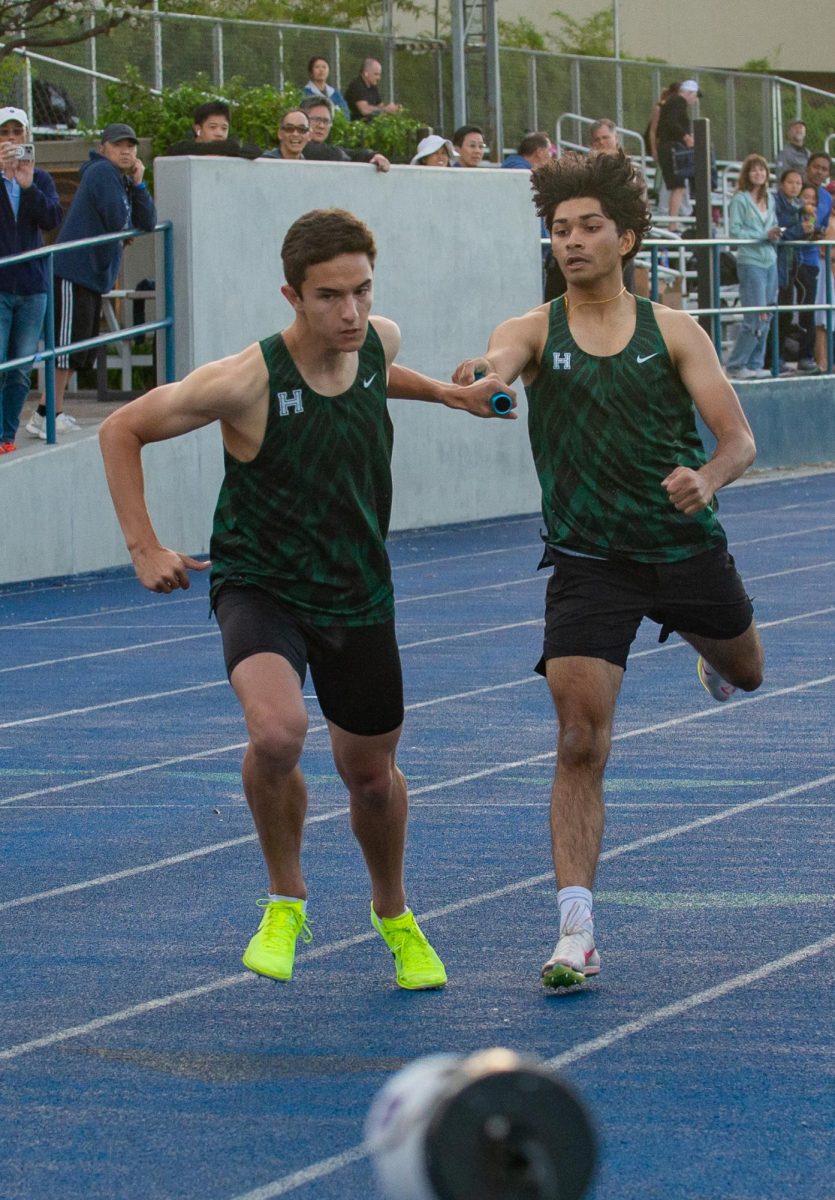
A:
{"x": 292, "y": 136}
{"x": 468, "y": 140}
{"x": 320, "y": 116}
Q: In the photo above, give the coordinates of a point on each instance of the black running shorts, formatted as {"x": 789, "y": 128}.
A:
{"x": 593, "y": 607}
{"x": 355, "y": 668}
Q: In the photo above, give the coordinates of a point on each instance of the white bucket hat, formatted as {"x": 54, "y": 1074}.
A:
{"x": 432, "y": 143}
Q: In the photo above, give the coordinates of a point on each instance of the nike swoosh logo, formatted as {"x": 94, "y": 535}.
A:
{"x": 368, "y": 382}
{"x": 642, "y": 358}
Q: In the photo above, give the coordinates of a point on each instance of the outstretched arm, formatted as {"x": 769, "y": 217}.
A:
{"x": 514, "y": 349}
{"x": 406, "y": 384}
{"x": 695, "y": 358}
{"x": 213, "y": 392}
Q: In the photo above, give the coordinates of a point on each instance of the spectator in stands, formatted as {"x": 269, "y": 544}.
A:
{"x": 210, "y": 125}
{"x": 211, "y": 121}
{"x": 434, "y": 151}
{"x": 675, "y": 132}
{"x": 317, "y": 84}
{"x": 651, "y": 131}
{"x": 794, "y": 153}
{"x": 821, "y": 297}
{"x": 320, "y": 116}
{"x": 603, "y": 137}
{"x": 468, "y": 140}
{"x": 788, "y": 209}
{"x": 363, "y": 95}
{"x": 534, "y": 151}
{"x": 808, "y": 257}
{"x": 292, "y": 136}
{"x": 111, "y": 197}
{"x": 29, "y": 208}
{"x": 752, "y": 215}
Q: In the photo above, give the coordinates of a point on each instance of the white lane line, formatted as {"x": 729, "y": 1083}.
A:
{"x": 451, "y": 637}
{"x": 430, "y": 788}
{"x": 39, "y": 622}
{"x": 774, "y": 537}
{"x": 526, "y": 680}
{"x": 629, "y": 1028}
{"x": 329, "y": 1166}
{"x": 432, "y": 914}
{"x": 197, "y": 687}
{"x": 400, "y": 601}
{"x": 51, "y": 662}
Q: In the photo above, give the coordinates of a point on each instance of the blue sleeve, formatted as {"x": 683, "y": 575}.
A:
{"x": 736, "y": 217}
{"x": 107, "y": 196}
{"x": 142, "y": 210}
{"x": 340, "y": 102}
{"x": 40, "y": 202}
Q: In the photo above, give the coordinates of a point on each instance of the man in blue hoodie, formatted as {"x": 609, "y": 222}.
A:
{"x": 111, "y": 197}
{"x": 28, "y": 208}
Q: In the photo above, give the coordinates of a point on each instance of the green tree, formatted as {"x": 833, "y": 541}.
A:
{"x": 165, "y": 117}
{"x": 42, "y": 24}
{"x": 340, "y": 14}
{"x": 594, "y": 36}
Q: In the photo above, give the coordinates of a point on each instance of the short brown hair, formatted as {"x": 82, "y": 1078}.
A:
{"x": 320, "y": 236}
{"x": 611, "y": 179}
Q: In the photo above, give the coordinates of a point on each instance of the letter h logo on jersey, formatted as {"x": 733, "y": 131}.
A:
{"x": 287, "y": 403}
{"x": 562, "y": 362}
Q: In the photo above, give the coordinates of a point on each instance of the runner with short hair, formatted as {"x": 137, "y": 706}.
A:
{"x": 300, "y": 573}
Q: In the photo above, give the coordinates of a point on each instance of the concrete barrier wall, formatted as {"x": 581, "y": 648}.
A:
{"x": 458, "y": 252}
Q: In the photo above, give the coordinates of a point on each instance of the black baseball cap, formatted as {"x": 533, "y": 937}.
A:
{"x": 119, "y": 133}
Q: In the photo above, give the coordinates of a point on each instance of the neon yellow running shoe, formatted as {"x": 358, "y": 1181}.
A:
{"x": 416, "y": 963}
{"x": 272, "y": 950}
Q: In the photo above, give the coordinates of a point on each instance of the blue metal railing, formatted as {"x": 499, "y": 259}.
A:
{"x": 660, "y": 245}
{"x": 50, "y": 351}
{"x": 656, "y": 246}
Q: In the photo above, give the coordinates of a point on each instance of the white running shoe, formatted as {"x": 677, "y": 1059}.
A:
{"x": 713, "y": 682}
{"x": 36, "y": 426}
{"x": 574, "y": 959}
{"x": 64, "y": 423}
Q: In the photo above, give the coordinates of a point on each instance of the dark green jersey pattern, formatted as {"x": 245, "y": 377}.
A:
{"x": 604, "y": 433}
{"x": 307, "y": 519}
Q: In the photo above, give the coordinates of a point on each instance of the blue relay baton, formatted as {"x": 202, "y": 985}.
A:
{"x": 500, "y": 402}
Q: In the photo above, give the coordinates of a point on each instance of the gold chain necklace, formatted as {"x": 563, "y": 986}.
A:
{"x": 608, "y": 300}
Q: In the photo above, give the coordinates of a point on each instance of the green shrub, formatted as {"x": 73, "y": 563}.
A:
{"x": 166, "y": 118}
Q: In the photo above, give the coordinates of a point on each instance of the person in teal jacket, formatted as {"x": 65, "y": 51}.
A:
{"x": 752, "y": 215}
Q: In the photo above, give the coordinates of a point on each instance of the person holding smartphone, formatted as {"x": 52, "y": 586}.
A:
{"x": 29, "y": 208}
{"x": 112, "y": 196}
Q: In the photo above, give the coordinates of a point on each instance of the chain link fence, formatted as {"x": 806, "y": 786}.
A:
{"x": 748, "y": 112}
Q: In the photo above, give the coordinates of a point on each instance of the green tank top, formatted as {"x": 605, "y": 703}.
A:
{"x": 307, "y": 518}
{"x": 604, "y": 433}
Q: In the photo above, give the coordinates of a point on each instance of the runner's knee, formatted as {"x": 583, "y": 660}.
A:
{"x": 583, "y": 745}
{"x": 275, "y": 737}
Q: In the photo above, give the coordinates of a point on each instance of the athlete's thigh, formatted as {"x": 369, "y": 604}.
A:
{"x": 584, "y": 691}
{"x": 358, "y": 679}
{"x": 270, "y": 693}
{"x": 265, "y": 654}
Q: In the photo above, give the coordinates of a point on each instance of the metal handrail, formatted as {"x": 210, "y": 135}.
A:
{"x": 619, "y": 129}
{"x": 50, "y": 352}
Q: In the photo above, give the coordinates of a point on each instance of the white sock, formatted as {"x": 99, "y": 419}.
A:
{"x": 575, "y": 908}
{"x": 291, "y": 899}
{"x": 397, "y": 918}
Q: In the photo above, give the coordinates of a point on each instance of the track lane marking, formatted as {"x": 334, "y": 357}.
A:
{"x": 329, "y": 1166}
{"x": 330, "y": 948}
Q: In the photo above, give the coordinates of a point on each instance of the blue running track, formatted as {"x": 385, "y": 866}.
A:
{"x": 139, "y": 1060}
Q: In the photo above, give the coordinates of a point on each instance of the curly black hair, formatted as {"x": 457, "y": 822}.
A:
{"x": 611, "y": 179}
